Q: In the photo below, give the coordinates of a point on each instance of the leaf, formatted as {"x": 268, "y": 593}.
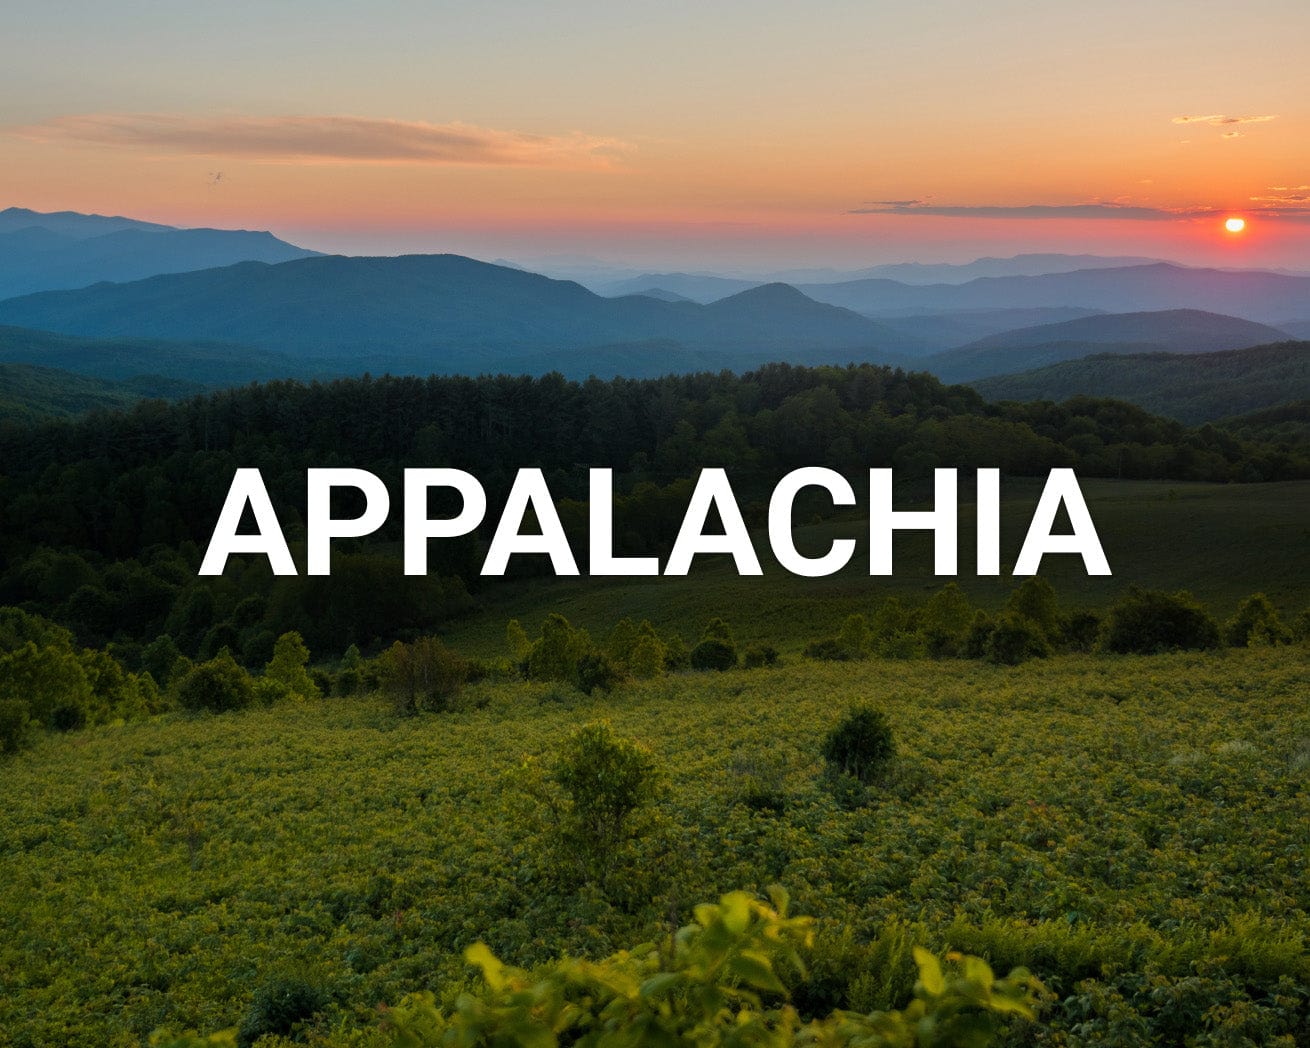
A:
{"x": 930, "y": 972}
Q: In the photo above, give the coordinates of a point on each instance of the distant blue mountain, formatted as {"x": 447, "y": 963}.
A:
{"x": 46, "y": 252}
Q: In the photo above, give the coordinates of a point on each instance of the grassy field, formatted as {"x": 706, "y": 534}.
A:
{"x": 1221, "y": 541}
{"x": 1133, "y": 828}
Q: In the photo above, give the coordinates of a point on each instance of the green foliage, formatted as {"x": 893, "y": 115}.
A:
{"x": 758, "y": 655}
{"x": 854, "y": 638}
{"x": 648, "y": 657}
{"x": 1149, "y": 621}
{"x": 287, "y": 667}
{"x": 279, "y": 1008}
{"x": 218, "y": 685}
{"x": 596, "y": 671}
{"x": 159, "y": 657}
{"x": 1015, "y": 638}
{"x": 860, "y": 744}
{"x": 516, "y": 641}
{"x": 1035, "y": 600}
{"x": 712, "y": 653}
{"x": 16, "y": 725}
{"x": 556, "y": 653}
{"x": 944, "y": 622}
{"x": 723, "y": 981}
{"x": 1256, "y": 622}
{"x": 606, "y": 779}
{"x": 423, "y": 676}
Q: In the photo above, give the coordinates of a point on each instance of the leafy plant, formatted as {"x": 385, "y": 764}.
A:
{"x": 860, "y": 744}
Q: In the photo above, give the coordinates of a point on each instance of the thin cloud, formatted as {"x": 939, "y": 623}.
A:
{"x": 326, "y": 139}
{"x": 1220, "y": 120}
{"x": 1118, "y": 211}
{"x": 1290, "y": 207}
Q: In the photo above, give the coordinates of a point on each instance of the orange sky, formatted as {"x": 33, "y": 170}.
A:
{"x": 737, "y": 135}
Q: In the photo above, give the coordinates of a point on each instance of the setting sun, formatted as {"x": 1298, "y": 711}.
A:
{"x": 1235, "y": 225}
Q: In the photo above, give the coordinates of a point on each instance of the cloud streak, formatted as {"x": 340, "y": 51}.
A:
{"x": 1290, "y": 206}
{"x": 1219, "y": 120}
{"x": 326, "y": 139}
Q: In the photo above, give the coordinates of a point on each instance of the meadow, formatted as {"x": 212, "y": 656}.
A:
{"x": 1133, "y": 829}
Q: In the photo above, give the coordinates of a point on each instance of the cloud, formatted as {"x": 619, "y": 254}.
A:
{"x": 326, "y": 139}
{"x": 1120, "y": 211}
{"x": 1292, "y": 207}
{"x": 1219, "y": 120}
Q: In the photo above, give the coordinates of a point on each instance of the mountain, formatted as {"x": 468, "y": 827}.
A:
{"x": 1029, "y": 265}
{"x": 1252, "y": 295}
{"x": 1165, "y": 331}
{"x": 439, "y": 313}
{"x": 695, "y": 287}
{"x": 67, "y": 250}
{"x": 1285, "y": 424}
{"x": 1297, "y": 328}
{"x": 1190, "y": 387}
{"x": 162, "y": 368}
{"x": 72, "y": 223}
{"x": 941, "y": 331}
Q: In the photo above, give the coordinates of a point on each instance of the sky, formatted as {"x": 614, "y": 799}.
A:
{"x": 706, "y": 136}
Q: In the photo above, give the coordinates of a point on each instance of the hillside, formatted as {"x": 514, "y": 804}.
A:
{"x": 445, "y": 312}
{"x": 30, "y": 393}
{"x": 1264, "y": 297}
{"x": 40, "y": 252}
{"x": 200, "y": 364}
{"x": 1192, "y": 388}
{"x": 1170, "y": 331}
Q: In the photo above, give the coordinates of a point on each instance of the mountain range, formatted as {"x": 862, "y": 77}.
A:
{"x": 1163, "y": 331}
{"x": 453, "y": 313}
{"x": 40, "y": 252}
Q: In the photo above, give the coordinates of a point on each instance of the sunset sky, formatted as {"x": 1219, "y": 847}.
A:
{"x": 705, "y": 135}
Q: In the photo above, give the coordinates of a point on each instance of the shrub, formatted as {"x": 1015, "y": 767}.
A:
{"x": 1014, "y": 639}
{"x": 217, "y": 685}
{"x": 16, "y": 725}
{"x": 828, "y": 649}
{"x": 51, "y": 682}
{"x": 606, "y": 779}
{"x": 1148, "y": 621}
{"x": 648, "y": 658}
{"x": 597, "y": 670}
{"x": 556, "y": 653}
{"x": 1256, "y": 622}
{"x": 1035, "y": 600}
{"x": 287, "y": 667}
{"x": 159, "y": 657}
{"x": 278, "y": 1008}
{"x": 944, "y": 622}
{"x": 758, "y": 655}
{"x": 860, "y": 744}
{"x": 422, "y": 676}
{"x": 713, "y": 654}
{"x": 855, "y": 637}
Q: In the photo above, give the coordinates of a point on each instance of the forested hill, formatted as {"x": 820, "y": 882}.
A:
{"x": 1192, "y": 387}
{"x": 103, "y": 519}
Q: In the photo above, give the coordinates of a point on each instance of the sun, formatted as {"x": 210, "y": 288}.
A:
{"x": 1235, "y": 225}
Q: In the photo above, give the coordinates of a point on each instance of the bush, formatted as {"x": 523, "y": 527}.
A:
{"x": 829, "y": 649}
{"x": 1256, "y": 622}
{"x": 596, "y": 670}
{"x": 648, "y": 658}
{"x": 217, "y": 685}
{"x": 51, "y": 682}
{"x": 16, "y": 725}
{"x": 422, "y": 676}
{"x": 1144, "y": 622}
{"x": 556, "y": 653}
{"x": 287, "y": 667}
{"x": 606, "y": 780}
{"x": 1014, "y": 639}
{"x": 758, "y": 655}
{"x": 278, "y": 1008}
{"x": 713, "y": 654}
{"x": 860, "y": 744}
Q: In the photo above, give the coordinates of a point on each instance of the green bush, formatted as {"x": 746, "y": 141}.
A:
{"x": 1147, "y": 621}
{"x": 1256, "y": 622}
{"x": 278, "y": 1008}
{"x": 713, "y": 654}
{"x": 16, "y": 725}
{"x": 721, "y": 982}
{"x": 606, "y": 779}
{"x": 556, "y": 653}
{"x": 287, "y": 666}
{"x": 51, "y": 681}
{"x": 217, "y": 685}
{"x": 860, "y": 744}
{"x": 423, "y": 676}
{"x": 758, "y": 655}
{"x": 1015, "y": 638}
{"x": 597, "y": 671}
